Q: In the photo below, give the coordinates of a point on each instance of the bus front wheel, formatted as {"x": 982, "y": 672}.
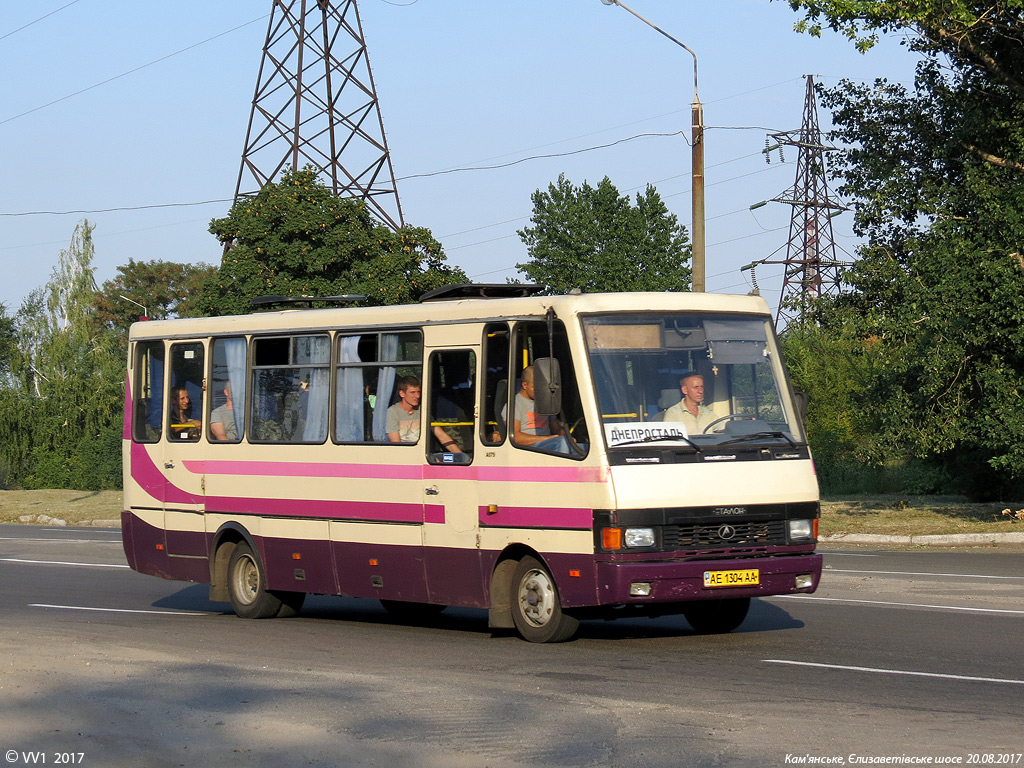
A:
{"x": 247, "y": 588}
{"x": 536, "y": 608}
{"x": 716, "y": 617}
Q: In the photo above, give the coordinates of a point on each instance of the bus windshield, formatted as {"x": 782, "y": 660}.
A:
{"x": 694, "y": 379}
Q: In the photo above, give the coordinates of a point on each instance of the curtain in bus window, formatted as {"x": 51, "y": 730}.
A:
{"x": 234, "y": 355}
{"x": 349, "y": 406}
{"x": 385, "y": 386}
{"x": 735, "y": 341}
{"x": 319, "y": 351}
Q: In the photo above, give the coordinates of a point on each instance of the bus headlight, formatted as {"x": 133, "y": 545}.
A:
{"x": 639, "y": 537}
{"x": 801, "y": 530}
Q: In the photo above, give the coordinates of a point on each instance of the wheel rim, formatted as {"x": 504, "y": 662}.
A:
{"x": 537, "y": 598}
{"x": 247, "y": 580}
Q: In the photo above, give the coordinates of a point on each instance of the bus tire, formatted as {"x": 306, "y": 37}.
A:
{"x": 247, "y": 586}
{"x": 291, "y": 603}
{"x": 536, "y": 607}
{"x": 716, "y": 617}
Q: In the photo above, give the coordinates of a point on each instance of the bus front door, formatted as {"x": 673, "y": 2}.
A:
{"x": 183, "y": 452}
{"x": 451, "y": 497}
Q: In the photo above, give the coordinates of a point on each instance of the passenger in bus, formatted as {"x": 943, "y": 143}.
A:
{"x": 403, "y": 418}
{"x": 534, "y": 429}
{"x": 183, "y": 426}
{"x": 691, "y": 411}
{"x": 222, "y": 420}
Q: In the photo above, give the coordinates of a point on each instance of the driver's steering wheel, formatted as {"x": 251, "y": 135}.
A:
{"x": 730, "y": 417}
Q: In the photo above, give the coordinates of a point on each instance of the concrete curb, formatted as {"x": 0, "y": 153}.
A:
{"x": 931, "y": 540}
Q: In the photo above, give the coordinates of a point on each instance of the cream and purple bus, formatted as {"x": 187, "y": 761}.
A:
{"x": 262, "y": 456}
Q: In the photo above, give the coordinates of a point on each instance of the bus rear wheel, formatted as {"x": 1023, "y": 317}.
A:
{"x": 247, "y": 588}
{"x": 716, "y": 617}
{"x": 536, "y": 607}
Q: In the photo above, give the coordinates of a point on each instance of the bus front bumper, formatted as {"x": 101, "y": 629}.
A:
{"x": 633, "y": 583}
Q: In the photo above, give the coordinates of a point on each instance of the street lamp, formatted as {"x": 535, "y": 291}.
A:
{"x": 145, "y": 312}
{"x": 697, "y": 145}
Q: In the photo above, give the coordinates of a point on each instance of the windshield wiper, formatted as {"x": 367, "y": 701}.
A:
{"x": 759, "y": 436}
{"x": 661, "y": 439}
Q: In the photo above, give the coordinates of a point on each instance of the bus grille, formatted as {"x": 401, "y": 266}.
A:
{"x": 724, "y": 534}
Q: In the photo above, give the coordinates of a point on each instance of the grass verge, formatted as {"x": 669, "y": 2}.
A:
{"x": 917, "y": 516}
{"x": 50, "y": 507}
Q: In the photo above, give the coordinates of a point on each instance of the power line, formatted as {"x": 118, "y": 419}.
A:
{"x": 118, "y": 209}
{"x": 46, "y": 16}
{"x": 129, "y": 72}
{"x": 539, "y": 157}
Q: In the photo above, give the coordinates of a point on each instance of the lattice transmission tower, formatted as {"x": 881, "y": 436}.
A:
{"x": 315, "y": 103}
{"x": 812, "y": 269}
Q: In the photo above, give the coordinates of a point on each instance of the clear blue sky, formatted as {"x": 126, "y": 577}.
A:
{"x": 93, "y": 117}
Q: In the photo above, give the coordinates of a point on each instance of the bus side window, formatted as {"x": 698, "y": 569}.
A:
{"x": 565, "y": 433}
{"x": 370, "y": 366}
{"x": 227, "y": 390}
{"x": 185, "y": 401}
{"x": 452, "y": 397}
{"x": 148, "y": 391}
{"x": 494, "y": 393}
{"x": 291, "y": 389}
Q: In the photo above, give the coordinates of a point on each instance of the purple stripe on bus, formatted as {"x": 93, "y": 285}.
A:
{"x": 433, "y": 513}
{"x": 388, "y": 512}
{"x": 537, "y": 517}
{"x": 153, "y": 481}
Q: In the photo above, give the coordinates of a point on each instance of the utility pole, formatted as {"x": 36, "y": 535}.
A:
{"x": 316, "y": 104}
{"x": 697, "y": 247}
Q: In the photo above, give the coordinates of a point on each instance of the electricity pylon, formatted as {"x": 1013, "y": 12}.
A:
{"x": 811, "y": 267}
{"x": 315, "y": 103}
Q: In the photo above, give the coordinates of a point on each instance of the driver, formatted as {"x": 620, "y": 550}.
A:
{"x": 690, "y": 411}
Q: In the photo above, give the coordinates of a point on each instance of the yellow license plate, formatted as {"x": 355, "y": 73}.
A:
{"x": 732, "y": 578}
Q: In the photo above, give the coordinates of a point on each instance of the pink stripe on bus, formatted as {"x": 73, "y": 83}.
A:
{"x": 306, "y": 469}
{"x": 573, "y": 474}
{"x": 375, "y": 511}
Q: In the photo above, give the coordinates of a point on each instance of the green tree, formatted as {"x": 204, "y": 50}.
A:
{"x": 594, "y": 239}
{"x": 165, "y": 289}
{"x": 937, "y": 177}
{"x": 298, "y": 238}
{"x": 60, "y": 416}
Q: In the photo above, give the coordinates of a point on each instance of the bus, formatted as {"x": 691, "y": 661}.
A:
{"x": 488, "y": 447}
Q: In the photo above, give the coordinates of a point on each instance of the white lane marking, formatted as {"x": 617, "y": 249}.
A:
{"x": 61, "y": 562}
{"x": 925, "y": 573}
{"x": 828, "y": 553}
{"x": 117, "y": 610}
{"x": 906, "y": 672}
{"x": 72, "y": 541}
{"x": 966, "y": 609}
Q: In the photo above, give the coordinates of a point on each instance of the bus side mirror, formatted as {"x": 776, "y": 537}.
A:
{"x": 547, "y": 386}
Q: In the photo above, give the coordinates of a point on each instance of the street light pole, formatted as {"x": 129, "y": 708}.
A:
{"x": 697, "y": 145}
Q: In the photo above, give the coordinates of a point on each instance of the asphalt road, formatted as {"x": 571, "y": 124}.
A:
{"x": 907, "y": 657}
